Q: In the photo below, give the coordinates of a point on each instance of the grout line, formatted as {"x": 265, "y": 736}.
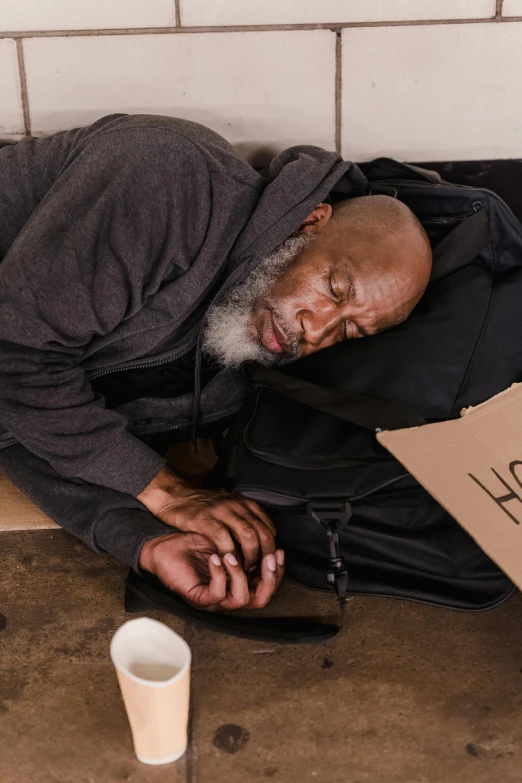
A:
{"x": 177, "y": 5}
{"x": 23, "y": 87}
{"x": 498, "y": 11}
{"x": 338, "y": 87}
{"x": 252, "y": 28}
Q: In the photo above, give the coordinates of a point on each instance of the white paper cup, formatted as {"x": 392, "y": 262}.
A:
{"x": 153, "y": 667}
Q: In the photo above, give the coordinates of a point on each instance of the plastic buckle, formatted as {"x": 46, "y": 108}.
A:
{"x": 333, "y": 516}
{"x": 326, "y": 512}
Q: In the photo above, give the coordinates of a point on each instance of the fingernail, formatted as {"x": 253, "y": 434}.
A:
{"x": 271, "y": 563}
{"x": 215, "y": 559}
{"x": 231, "y": 559}
{"x": 280, "y": 557}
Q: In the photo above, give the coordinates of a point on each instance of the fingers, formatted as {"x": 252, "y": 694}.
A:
{"x": 238, "y": 594}
{"x": 272, "y": 572}
{"x": 207, "y": 595}
{"x": 233, "y": 524}
{"x": 218, "y": 532}
{"x": 253, "y": 536}
{"x": 187, "y": 564}
{"x": 260, "y": 514}
{"x": 219, "y": 596}
{"x": 226, "y": 519}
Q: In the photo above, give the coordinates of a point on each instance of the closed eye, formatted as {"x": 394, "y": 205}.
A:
{"x": 331, "y": 283}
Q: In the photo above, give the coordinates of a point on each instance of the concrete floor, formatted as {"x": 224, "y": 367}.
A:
{"x": 406, "y": 693}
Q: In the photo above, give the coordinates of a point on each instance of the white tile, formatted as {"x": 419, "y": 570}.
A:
{"x": 84, "y": 14}
{"x": 11, "y": 114}
{"x": 223, "y": 12}
{"x": 512, "y": 8}
{"x": 274, "y": 88}
{"x": 448, "y": 92}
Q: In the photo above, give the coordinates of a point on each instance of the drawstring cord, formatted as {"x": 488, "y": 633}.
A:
{"x": 197, "y": 390}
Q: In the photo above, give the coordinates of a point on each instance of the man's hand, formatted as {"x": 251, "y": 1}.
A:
{"x": 188, "y": 564}
{"x": 224, "y": 518}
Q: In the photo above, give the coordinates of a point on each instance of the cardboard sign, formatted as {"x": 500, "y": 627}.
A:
{"x": 17, "y": 512}
{"x": 473, "y": 467}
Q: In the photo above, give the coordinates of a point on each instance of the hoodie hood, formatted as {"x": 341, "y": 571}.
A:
{"x": 299, "y": 179}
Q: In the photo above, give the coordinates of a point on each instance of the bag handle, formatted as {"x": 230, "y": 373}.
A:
{"x": 363, "y": 410}
{"x": 394, "y": 169}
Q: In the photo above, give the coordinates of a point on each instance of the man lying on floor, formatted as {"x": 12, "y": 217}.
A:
{"x": 120, "y": 244}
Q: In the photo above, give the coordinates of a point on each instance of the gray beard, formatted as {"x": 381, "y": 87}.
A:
{"x": 226, "y": 336}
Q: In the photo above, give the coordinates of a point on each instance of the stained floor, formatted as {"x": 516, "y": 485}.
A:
{"x": 405, "y": 694}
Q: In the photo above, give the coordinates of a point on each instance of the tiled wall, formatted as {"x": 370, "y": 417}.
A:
{"x": 415, "y": 79}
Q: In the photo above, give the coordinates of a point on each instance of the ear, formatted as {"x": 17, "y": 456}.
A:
{"x": 317, "y": 219}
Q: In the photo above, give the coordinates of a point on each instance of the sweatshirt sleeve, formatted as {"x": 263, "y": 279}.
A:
{"x": 106, "y": 520}
{"x": 88, "y": 258}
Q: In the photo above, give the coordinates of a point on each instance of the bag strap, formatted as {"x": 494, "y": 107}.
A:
{"x": 363, "y": 410}
{"x": 382, "y": 169}
{"x": 461, "y": 246}
{"x": 143, "y": 593}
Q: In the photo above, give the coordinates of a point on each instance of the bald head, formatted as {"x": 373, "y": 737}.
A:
{"x": 377, "y": 221}
{"x": 382, "y": 245}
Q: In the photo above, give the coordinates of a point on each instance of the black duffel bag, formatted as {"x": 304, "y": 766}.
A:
{"x": 348, "y": 515}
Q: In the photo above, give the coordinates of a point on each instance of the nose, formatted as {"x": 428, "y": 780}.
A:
{"x": 319, "y": 328}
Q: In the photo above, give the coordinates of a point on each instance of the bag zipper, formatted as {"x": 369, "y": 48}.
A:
{"x": 453, "y": 219}
{"x": 437, "y": 604}
{"x": 452, "y": 190}
{"x": 303, "y": 463}
{"x": 294, "y": 501}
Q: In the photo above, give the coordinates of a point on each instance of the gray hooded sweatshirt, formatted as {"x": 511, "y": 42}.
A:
{"x": 113, "y": 240}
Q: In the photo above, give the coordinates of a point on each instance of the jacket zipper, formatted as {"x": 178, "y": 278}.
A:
{"x": 12, "y": 440}
{"x": 143, "y": 365}
{"x": 146, "y": 365}
{"x": 153, "y": 430}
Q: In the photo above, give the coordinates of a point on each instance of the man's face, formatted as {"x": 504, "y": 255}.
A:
{"x": 329, "y": 294}
{"x": 317, "y": 289}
